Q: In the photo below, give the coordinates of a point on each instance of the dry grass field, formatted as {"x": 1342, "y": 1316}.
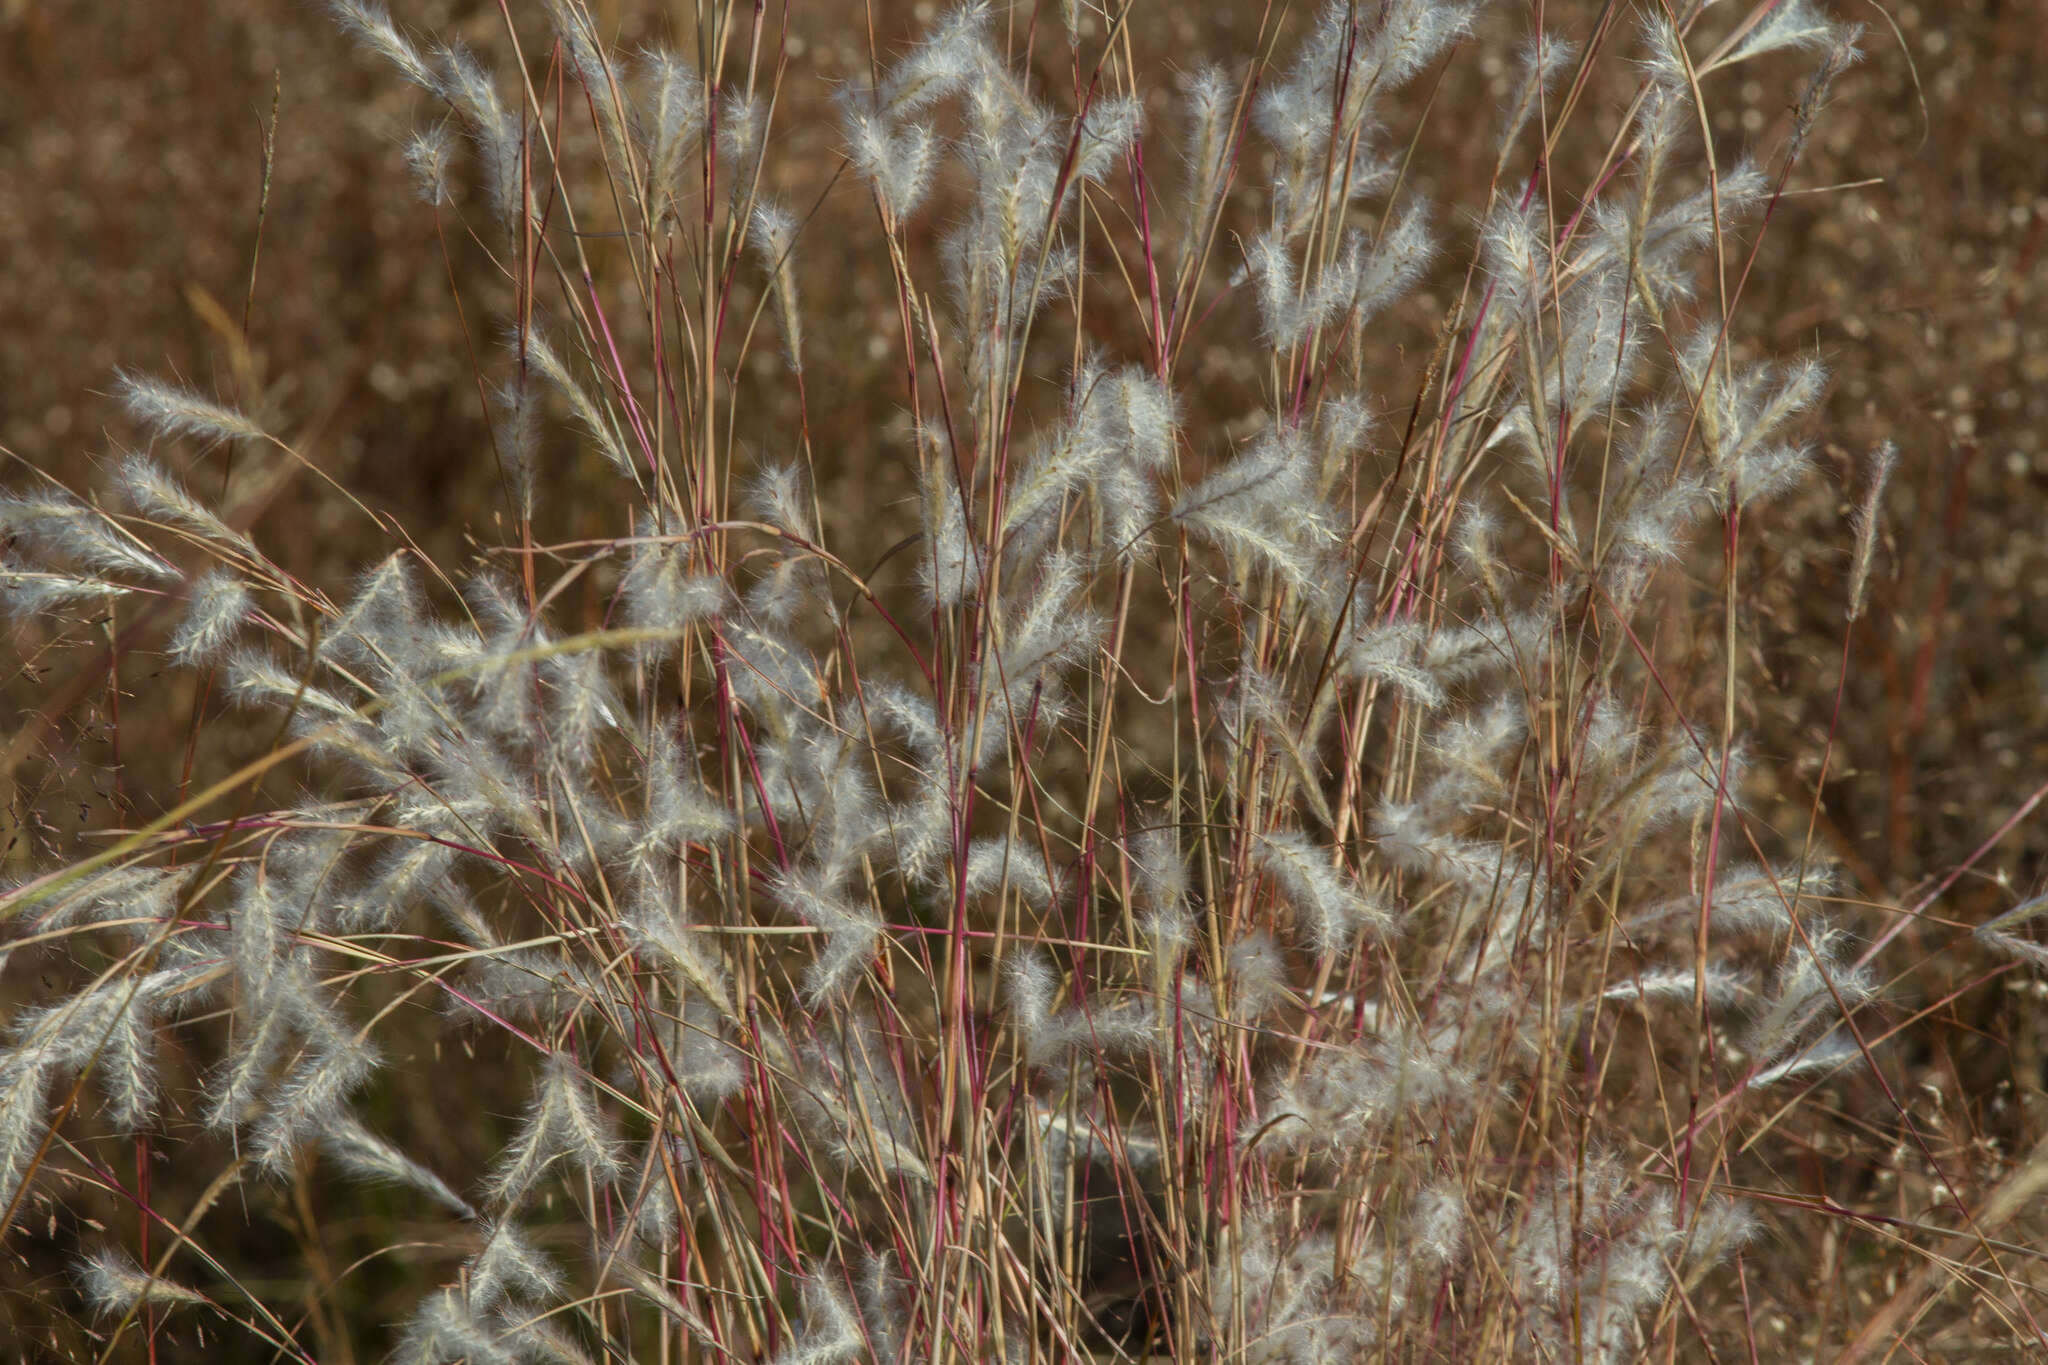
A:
{"x": 943, "y": 1136}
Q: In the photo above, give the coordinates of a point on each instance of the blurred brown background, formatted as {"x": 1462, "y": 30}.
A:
{"x": 1910, "y": 257}
{"x": 131, "y": 168}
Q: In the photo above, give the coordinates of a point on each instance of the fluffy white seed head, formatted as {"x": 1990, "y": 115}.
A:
{"x": 510, "y": 1269}
{"x": 1831, "y": 1053}
{"x": 1107, "y": 132}
{"x": 1032, "y": 985}
{"x": 218, "y": 606}
{"x": 852, "y": 931}
{"x": 1882, "y": 461}
{"x": 563, "y": 1123}
{"x": 371, "y": 23}
{"x": 995, "y": 865}
{"x": 310, "y": 1098}
{"x": 428, "y": 154}
{"x": 946, "y": 62}
{"x": 366, "y": 1156}
{"x": 1161, "y": 875}
{"x": 498, "y": 134}
{"x": 742, "y": 142}
{"x": 548, "y": 363}
{"x": 1543, "y": 59}
{"x": 1816, "y": 985}
{"x": 897, "y": 163}
{"x": 1333, "y": 907}
{"x": 1390, "y": 652}
{"x": 1258, "y": 975}
{"x": 1792, "y": 25}
{"x": 1261, "y": 508}
{"x": 772, "y": 234}
{"x": 515, "y": 427}
{"x": 161, "y": 498}
{"x": 114, "y": 1285}
{"x": 831, "y": 1333}
{"x": 63, "y": 527}
{"x": 672, "y": 114}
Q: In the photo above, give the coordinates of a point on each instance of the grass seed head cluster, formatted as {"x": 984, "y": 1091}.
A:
{"x": 1239, "y": 887}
